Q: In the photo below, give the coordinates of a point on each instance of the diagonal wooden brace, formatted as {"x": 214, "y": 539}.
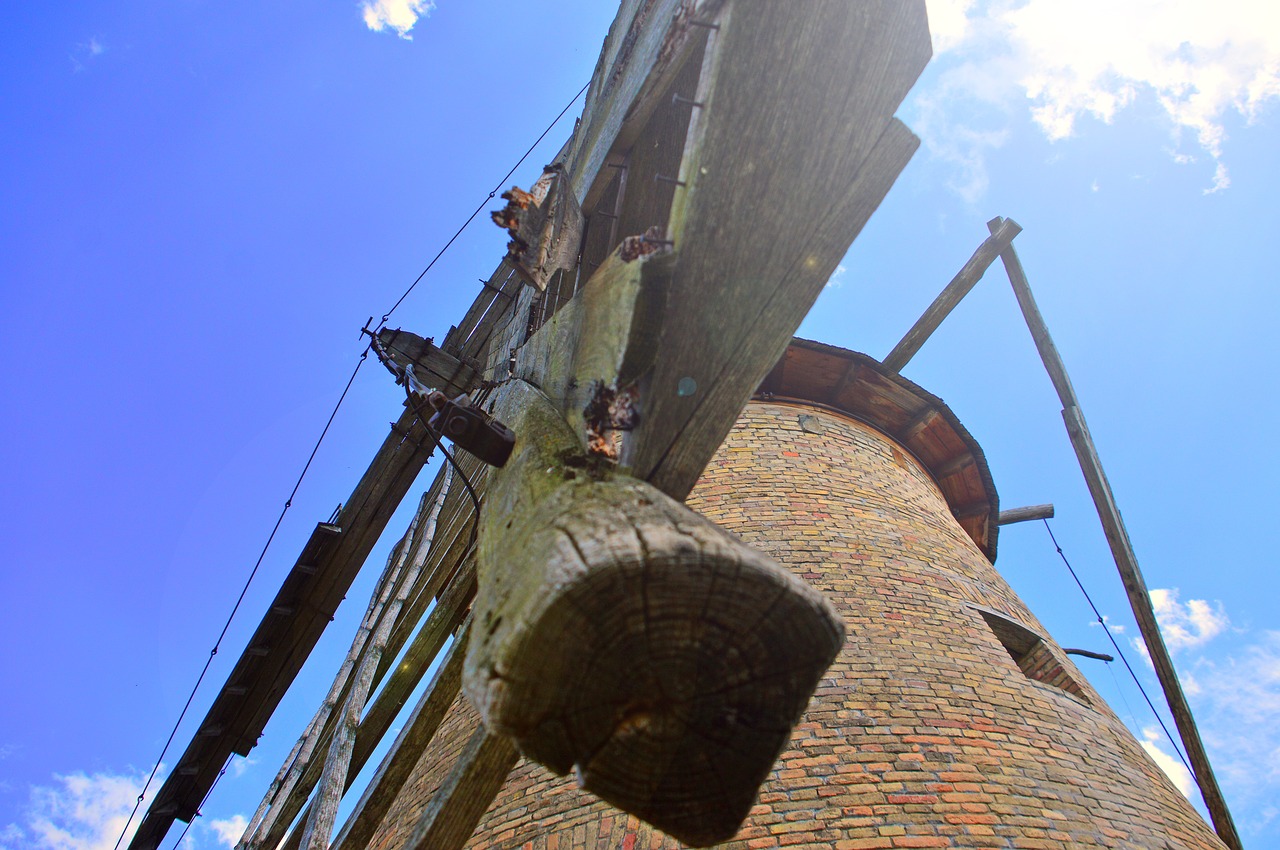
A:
{"x": 620, "y": 634}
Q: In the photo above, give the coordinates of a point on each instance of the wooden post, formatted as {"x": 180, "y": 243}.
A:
{"x": 1121, "y": 549}
{"x": 952, "y": 294}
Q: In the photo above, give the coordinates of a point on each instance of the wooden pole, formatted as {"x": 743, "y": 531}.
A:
{"x": 1026, "y": 514}
{"x": 1121, "y": 549}
{"x": 960, "y": 285}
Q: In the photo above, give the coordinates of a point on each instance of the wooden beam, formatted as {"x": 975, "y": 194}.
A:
{"x": 779, "y": 177}
{"x": 620, "y": 634}
{"x": 1025, "y": 514}
{"x": 1121, "y": 550}
{"x": 433, "y": 367}
{"x": 324, "y": 810}
{"x": 397, "y": 766}
{"x": 646, "y": 46}
{"x": 444, "y": 619}
{"x": 468, "y": 791}
{"x": 955, "y": 291}
{"x": 318, "y": 583}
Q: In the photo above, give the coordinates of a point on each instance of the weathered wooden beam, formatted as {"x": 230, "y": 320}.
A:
{"x": 468, "y": 791}
{"x": 645, "y": 48}
{"x": 779, "y": 176}
{"x": 1121, "y": 550}
{"x": 622, "y": 635}
{"x": 434, "y": 557}
{"x": 443, "y": 621}
{"x": 433, "y": 367}
{"x": 1024, "y": 514}
{"x": 324, "y": 810}
{"x": 397, "y": 766}
{"x": 318, "y": 583}
{"x": 952, "y": 294}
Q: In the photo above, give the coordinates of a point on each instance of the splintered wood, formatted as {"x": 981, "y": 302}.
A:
{"x": 623, "y": 636}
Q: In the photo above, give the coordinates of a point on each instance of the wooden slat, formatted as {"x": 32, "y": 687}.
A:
{"x": 398, "y": 765}
{"x": 324, "y": 572}
{"x": 442, "y": 622}
{"x": 781, "y": 174}
{"x": 332, "y": 783}
{"x": 466, "y": 794}
{"x": 438, "y": 568}
{"x": 646, "y": 45}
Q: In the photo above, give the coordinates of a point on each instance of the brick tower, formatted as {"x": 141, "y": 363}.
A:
{"x": 950, "y": 719}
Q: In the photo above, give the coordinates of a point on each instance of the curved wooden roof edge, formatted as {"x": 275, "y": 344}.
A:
{"x": 861, "y": 387}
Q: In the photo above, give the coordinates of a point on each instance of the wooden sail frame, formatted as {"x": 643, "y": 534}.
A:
{"x": 777, "y": 173}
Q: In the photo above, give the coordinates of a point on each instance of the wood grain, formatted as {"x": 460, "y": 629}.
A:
{"x": 781, "y": 172}
{"x": 682, "y": 656}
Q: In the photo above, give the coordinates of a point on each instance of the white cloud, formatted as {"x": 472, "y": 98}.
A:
{"x": 81, "y": 812}
{"x": 837, "y": 277}
{"x": 398, "y": 15}
{"x": 1173, "y": 768}
{"x": 1191, "y": 625}
{"x": 229, "y": 830}
{"x": 1195, "y": 62}
{"x": 1238, "y": 712}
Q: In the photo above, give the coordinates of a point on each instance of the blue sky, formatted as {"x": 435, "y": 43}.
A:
{"x": 203, "y": 202}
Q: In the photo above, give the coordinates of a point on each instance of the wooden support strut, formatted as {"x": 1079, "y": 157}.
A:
{"x": 1121, "y": 548}
{"x": 1024, "y": 514}
{"x": 682, "y": 657}
{"x": 960, "y": 285}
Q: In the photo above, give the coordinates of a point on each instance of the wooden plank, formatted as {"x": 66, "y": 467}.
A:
{"x": 441, "y": 623}
{"x": 397, "y": 766}
{"x": 286, "y": 804}
{"x": 781, "y": 174}
{"x": 605, "y": 623}
{"x": 317, "y": 585}
{"x": 1122, "y": 551}
{"x": 287, "y": 778}
{"x": 952, "y": 294}
{"x": 1024, "y": 514}
{"x": 332, "y": 783}
{"x": 466, "y": 794}
{"x": 647, "y": 43}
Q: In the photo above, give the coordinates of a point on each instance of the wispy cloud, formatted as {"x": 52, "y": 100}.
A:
{"x": 397, "y": 15}
{"x": 837, "y": 277}
{"x": 1190, "y": 625}
{"x": 1154, "y": 743}
{"x": 80, "y": 811}
{"x": 1062, "y": 62}
{"x": 228, "y": 831}
{"x": 86, "y": 52}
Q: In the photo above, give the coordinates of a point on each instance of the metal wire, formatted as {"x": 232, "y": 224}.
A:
{"x": 493, "y": 194}
{"x": 240, "y": 599}
{"x": 208, "y": 793}
{"x": 289, "y": 501}
{"x": 1102, "y": 622}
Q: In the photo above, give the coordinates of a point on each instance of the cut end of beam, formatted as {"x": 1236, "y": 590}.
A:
{"x": 1025, "y": 514}
{"x": 669, "y": 668}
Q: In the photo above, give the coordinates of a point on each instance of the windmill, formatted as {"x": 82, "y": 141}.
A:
{"x": 728, "y": 154}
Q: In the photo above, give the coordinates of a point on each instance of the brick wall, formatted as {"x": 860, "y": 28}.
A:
{"x": 925, "y": 732}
